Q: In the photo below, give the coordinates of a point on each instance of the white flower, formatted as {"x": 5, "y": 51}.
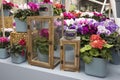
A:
{"x": 90, "y": 14}
{"x": 23, "y": 6}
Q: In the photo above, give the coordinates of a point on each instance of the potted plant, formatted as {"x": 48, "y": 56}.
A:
{"x": 3, "y": 47}
{"x": 95, "y": 55}
{"x": 21, "y": 13}
{"x": 115, "y": 50}
{"x": 41, "y": 45}
{"x": 46, "y": 8}
{"x": 58, "y": 8}
{"x": 18, "y": 51}
{"x": 7, "y": 6}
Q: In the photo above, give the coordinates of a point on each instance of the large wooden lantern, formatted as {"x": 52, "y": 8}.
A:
{"x": 44, "y": 40}
{"x": 69, "y": 52}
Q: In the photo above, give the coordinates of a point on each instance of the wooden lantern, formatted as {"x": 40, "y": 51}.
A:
{"x": 8, "y": 21}
{"x": 70, "y": 65}
{"x": 41, "y": 27}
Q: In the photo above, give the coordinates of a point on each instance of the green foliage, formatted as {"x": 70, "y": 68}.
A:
{"x": 42, "y": 44}
{"x": 88, "y": 53}
{"x": 22, "y": 14}
{"x": 17, "y": 49}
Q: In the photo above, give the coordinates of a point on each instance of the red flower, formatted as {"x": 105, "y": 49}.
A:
{"x": 97, "y": 44}
{"x": 97, "y": 41}
{"x": 46, "y": 1}
{"x": 23, "y": 53}
{"x": 22, "y": 42}
{"x": 95, "y": 37}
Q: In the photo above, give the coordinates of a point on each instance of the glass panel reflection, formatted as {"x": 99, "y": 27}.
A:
{"x": 69, "y": 54}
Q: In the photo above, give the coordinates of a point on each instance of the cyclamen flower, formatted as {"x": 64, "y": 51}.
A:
{"x": 44, "y": 33}
{"x": 33, "y": 6}
{"x": 22, "y": 42}
{"x": 3, "y": 40}
{"x": 7, "y": 4}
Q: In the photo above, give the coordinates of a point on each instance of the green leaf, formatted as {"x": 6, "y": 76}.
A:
{"x": 108, "y": 45}
{"x": 85, "y": 48}
{"x": 87, "y": 59}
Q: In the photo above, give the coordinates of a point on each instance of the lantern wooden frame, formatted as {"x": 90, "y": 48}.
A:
{"x": 67, "y": 66}
{"x": 32, "y": 58}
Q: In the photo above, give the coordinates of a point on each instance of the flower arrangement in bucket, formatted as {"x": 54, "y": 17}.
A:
{"x": 41, "y": 45}
{"x": 4, "y": 41}
{"x": 18, "y": 48}
{"x": 21, "y": 13}
{"x": 97, "y": 47}
{"x": 41, "y": 42}
{"x": 7, "y": 6}
{"x": 18, "y": 51}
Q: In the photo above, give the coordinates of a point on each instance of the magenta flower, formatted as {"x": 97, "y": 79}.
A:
{"x": 33, "y": 6}
{"x": 44, "y": 33}
{"x": 3, "y": 42}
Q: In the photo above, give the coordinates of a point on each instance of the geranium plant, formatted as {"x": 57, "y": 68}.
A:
{"x": 18, "y": 48}
{"x": 7, "y": 4}
{"x": 97, "y": 48}
{"x": 4, "y": 41}
{"x": 58, "y": 8}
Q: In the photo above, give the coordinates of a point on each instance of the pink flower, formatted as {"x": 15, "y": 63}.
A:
{"x": 3, "y": 40}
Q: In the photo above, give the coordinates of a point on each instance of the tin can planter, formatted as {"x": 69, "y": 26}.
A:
{"x": 6, "y": 12}
{"x": 98, "y": 67}
{"x": 42, "y": 56}
{"x": 70, "y": 34}
{"x": 46, "y": 10}
{"x": 17, "y": 59}
{"x": 115, "y": 56}
{"x": 118, "y": 8}
{"x": 3, "y": 53}
{"x": 21, "y": 26}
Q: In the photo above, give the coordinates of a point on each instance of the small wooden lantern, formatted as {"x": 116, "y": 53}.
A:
{"x": 70, "y": 65}
{"x": 8, "y": 21}
{"x": 43, "y": 41}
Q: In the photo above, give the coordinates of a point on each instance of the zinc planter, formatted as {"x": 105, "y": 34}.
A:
{"x": 118, "y": 8}
{"x": 21, "y": 26}
{"x": 42, "y": 57}
{"x": 98, "y": 67}
{"x": 115, "y": 57}
{"x": 6, "y": 12}
{"x": 3, "y": 53}
{"x": 17, "y": 59}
